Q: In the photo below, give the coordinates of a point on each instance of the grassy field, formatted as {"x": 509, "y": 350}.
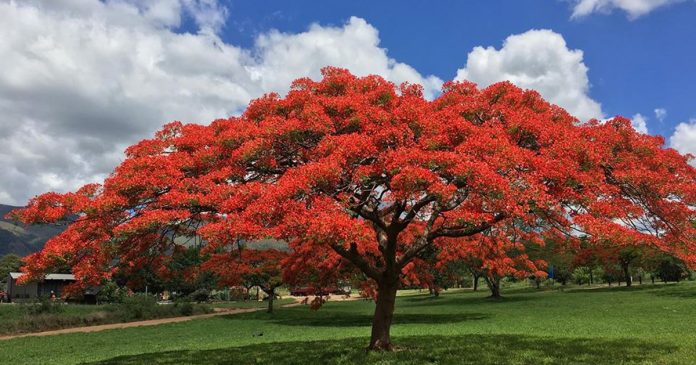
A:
{"x": 642, "y": 325}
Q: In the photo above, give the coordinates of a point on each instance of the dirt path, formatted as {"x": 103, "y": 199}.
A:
{"x": 150, "y": 322}
{"x": 154, "y": 322}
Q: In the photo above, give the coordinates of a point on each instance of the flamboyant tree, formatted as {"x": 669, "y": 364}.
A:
{"x": 261, "y": 268}
{"x": 498, "y": 252}
{"x": 373, "y": 175}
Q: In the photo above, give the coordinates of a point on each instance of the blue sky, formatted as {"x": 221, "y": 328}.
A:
{"x": 84, "y": 79}
{"x": 635, "y": 65}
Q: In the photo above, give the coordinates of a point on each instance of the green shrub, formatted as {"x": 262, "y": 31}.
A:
{"x": 42, "y": 306}
{"x": 110, "y": 292}
{"x": 200, "y": 295}
{"x": 139, "y": 306}
{"x": 184, "y": 308}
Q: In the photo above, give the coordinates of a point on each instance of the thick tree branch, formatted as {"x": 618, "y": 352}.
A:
{"x": 429, "y": 237}
{"x": 413, "y": 212}
{"x": 467, "y": 231}
{"x": 357, "y": 259}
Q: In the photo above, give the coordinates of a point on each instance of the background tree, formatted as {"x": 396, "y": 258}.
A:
{"x": 374, "y": 174}
{"x": 8, "y": 263}
{"x": 249, "y": 266}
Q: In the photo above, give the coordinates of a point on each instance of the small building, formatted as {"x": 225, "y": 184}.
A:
{"x": 36, "y": 289}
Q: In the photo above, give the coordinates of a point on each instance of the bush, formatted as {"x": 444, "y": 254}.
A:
{"x": 581, "y": 275}
{"x": 671, "y": 269}
{"x": 185, "y": 308}
{"x": 139, "y": 306}
{"x": 42, "y": 306}
{"x": 110, "y": 292}
{"x": 200, "y": 296}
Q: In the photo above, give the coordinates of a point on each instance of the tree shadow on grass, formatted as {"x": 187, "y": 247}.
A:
{"x": 677, "y": 291}
{"x": 617, "y": 289}
{"x": 472, "y": 349}
{"x": 459, "y": 300}
{"x": 309, "y": 318}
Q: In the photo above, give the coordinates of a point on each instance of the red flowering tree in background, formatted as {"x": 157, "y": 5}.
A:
{"x": 249, "y": 267}
{"x": 495, "y": 253}
{"x": 373, "y": 175}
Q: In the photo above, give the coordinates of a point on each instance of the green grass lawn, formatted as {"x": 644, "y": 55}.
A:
{"x": 642, "y": 325}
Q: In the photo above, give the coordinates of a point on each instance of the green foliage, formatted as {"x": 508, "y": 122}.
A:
{"x": 8, "y": 263}
{"x": 42, "y": 306}
{"x": 184, "y": 308}
{"x": 200, "y": 295}
{"x": 179, "y": 280}
{"x": 671, "y": 269}
{"x": 584, "y": 275}
{"x": 138, "y": 306}
{"x": 110, "y": 292}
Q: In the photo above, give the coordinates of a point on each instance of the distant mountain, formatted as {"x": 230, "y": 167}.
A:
{"x": 23, "y": 239}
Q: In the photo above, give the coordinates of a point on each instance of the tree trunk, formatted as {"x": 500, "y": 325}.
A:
{"x": 384, "y": 313}
{"x": 627, "y": 274}
{"x": 271, "y": 296}
{"x": 494, "y": 286}
{"x": 591, "y": 278}
{"x": 476, "y": 279}
{"x": 652, "y": 278}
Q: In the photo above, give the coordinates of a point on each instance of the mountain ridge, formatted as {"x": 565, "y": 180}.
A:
{"x": 23, "y": 239}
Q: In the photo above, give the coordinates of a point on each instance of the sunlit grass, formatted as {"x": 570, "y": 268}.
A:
{"x": 642, "y": 325}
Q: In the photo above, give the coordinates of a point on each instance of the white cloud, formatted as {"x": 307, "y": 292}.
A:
{"x": 684, "y": 138}
{"x": 660, "y": 114}
{"x": 83, "y": 80}
{"x": 539, "y": 60}
{"x": 633, "y": 8}
{"x": 354, "y": 46}
{"x": 639, "y": 123}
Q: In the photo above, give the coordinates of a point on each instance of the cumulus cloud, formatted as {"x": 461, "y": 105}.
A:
{"x": 660, "y": 114}
{"x": 684, "y": 138}
{"x": 639, "y": 123}
{"x": 539, "y": 60}
{"x": 354, "y": 46}
{"x": 633, "y": 8}
{"x": 83, "y": 80}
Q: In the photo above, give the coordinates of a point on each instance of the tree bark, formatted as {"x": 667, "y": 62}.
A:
{"x": 271, "y": 295}
{"x": 476, "y": 280}
{"x": 494, "y": 286}
{"x": 627, "y": 274}
{"x": 384, "y": 313}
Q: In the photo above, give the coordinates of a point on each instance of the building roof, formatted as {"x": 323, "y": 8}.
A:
{"x": 71, "y": 277}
